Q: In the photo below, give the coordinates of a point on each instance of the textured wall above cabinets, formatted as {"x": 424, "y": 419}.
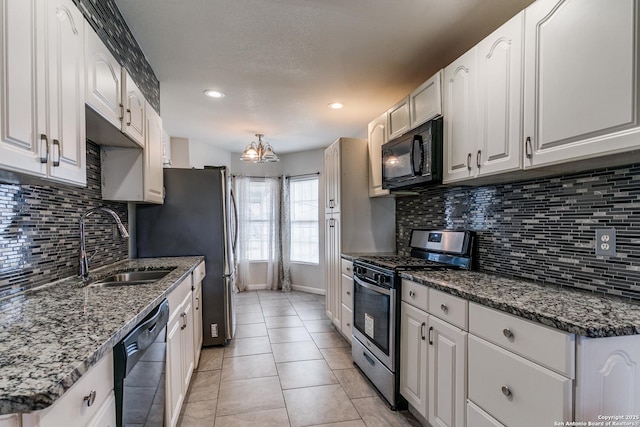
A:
{"x": 106, "y": 20}
{"x": 544, "y": 229}
{"x": 39, "y": 234}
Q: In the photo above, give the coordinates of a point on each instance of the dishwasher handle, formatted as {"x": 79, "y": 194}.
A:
{"x": 128, "y": 351}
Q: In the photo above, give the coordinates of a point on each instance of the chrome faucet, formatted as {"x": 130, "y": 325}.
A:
{"x": 84, "y": 261}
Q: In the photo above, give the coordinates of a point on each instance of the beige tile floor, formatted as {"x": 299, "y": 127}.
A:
{"x": 287, "y": 366}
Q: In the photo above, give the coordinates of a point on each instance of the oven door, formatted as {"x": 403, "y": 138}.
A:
{"x": 374, "y": 319}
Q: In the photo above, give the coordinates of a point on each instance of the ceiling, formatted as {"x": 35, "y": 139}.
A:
{"x": 281, "y": 62}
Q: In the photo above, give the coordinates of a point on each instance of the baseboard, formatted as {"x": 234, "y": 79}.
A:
{"x": 259, "y": 287}
{"x": 308, "y": 289}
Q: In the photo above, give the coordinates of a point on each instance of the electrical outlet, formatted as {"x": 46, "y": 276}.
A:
{"x": 214, "y": 330}
{"x": 606, "y": 241}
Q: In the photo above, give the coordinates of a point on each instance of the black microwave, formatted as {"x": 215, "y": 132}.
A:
{"x": 414, "y": 159}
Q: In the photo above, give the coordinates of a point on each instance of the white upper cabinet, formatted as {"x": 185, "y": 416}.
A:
{"x": 153, "y": 169}
{"x": 377, "y": 133}
{"x": 500, "y": 100}
{"x": 42, "y": 94}
{"x": 425, "y": 102}
{"x": 134, "y": 102}
{"x": 460, "y": 117}
{"x": 103, "y": 79}
{"x": 398, "y": 121}
{"x": 581, "y": 79}
{"x": 483, "y": 107}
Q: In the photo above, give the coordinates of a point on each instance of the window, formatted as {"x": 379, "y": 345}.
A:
{"x": 303, "y": 203}
{"x": 259, "y": 220}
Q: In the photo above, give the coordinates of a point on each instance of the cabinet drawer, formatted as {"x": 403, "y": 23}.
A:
{"x": 347, "y": 321}
{"x": 347, "y": 291}
{"x": 199, "y": 273}
{"x": 549, "y": 347}
{"x": 514, "y": 390}
{"x": 347, "y": 267}
{"x": 450, "y": 308}
{"x": 177, "y": 295}
{"x": 71, "y": 406}
{"x": 415, "y": 294}
{"x": 476, "y": 417}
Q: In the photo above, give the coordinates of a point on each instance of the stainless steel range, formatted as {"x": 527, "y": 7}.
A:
{"x": 376, "y": 301}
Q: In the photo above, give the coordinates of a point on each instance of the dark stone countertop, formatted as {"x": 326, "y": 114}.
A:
{"x": 53, "y": 334}
{"x": 567, "y": 309}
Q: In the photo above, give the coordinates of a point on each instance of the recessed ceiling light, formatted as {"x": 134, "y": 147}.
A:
{"x": 214, "y": 93}
{"x": 335, "y": 105}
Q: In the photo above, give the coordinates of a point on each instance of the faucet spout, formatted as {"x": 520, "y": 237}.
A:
{"x": 84, "y": 260}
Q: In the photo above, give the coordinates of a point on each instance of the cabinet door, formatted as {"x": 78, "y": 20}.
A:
{"x": 332, "y": 268}
{"x": 65, "y": 77}
{"x": 580, "y": 92}
{"x": 332, "y": 178}
{"x": 174, "y": 380}
{"x": 20, "y": 145}
{"x": 460, "y": 118}
{"x": 133, "y": 123}
{"x": 425, "y": 102}
{"x": 106, "y": 416}
{"x": 197, "y": 322}
{"x": 398, "y": 120}
{"x": 447, "y": 374}
{"x": 153, "y": 175}
{"x": 187, "y": 329}
{"x": 346, "y": 322}
{"x": 500, "y": 99}
{"x": 12, "y": 420}
{"x": 377, "y": 136}
{"x": 413, "y": 357}
{"x": 103, "y": 79}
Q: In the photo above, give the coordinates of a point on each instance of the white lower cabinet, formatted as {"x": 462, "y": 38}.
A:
{"x": 514, "y": 390}
{"x": 180, "y": 350}
{"x": 413, "y": 357}
{"x": 447, "y": 374}
{"x": 197, "y": 320}
{"x": 12, "y": 420}
{"x": 346, "y": 298}
{"x": 106, "y": 416}
{"x": 76, "y": 408}
{"x": 432, "y": 362}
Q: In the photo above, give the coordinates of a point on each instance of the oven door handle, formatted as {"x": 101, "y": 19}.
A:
{"x": 374, "y": 288}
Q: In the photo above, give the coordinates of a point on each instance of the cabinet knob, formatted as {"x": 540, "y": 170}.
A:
{"x": 507, "y": 392}
{"x": 348, "y": 292}
{"x": 508, "y": 334}
{"x": 412, "y": 294}
{"x": 444, "y": 308}
{"x": 90, "y": 398}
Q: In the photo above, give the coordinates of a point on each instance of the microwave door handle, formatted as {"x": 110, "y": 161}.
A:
{"x": 417, "y": 171}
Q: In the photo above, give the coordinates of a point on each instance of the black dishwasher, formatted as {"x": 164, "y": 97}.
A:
{"x": 139, "y": 371}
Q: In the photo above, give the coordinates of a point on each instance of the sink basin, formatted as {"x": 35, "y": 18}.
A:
{"x": 131, "y": 278}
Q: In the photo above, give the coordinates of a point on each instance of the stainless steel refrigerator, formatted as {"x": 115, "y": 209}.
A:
{"x": 197, "y": 218}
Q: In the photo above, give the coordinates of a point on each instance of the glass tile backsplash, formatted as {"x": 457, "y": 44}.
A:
{"x": 542, "y": 230}
{"x": 39, "y": 229}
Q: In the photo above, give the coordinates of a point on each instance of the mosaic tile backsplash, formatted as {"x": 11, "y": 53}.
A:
{"x": 40, "y": 235}
{"x": 544, "y": 229}
{"x": 108, "y": 23}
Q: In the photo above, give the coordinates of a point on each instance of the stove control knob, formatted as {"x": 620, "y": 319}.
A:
{"x": 376, "y": 277}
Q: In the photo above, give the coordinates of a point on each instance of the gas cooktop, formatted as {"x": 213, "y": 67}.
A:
{"x": 399, "y": 262}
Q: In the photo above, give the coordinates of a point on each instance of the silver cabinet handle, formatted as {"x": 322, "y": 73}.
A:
{"x": 90, "y": 398}
{"x": 56, "y": 160}
{"x": 197, "y": 303}
{"x": 431, "y": 335}
{"x": 184, "y": 320}
{"x": 469, "y": 161}
{"x": 528, "y": 149}
{"x": 121, "y": 112}
{"x": 129, "y": 121}
{"x": 478, "y": 157}
{"x": 412, "y": 294}
{"x": 508, "y": 334}
{"x": 44, "y": 151}
{"x": 444, "y": 308}
{"x": 507, "y": 392}
{"x": 422, "y": 330}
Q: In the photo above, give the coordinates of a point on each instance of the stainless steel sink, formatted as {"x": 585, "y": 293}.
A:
{"x": 131, "y": 278}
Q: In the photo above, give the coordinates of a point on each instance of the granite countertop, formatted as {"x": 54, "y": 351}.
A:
{"x": 567, "y": 309}
{"x": 53, "y": 334}
{"x": 351, "y": 256}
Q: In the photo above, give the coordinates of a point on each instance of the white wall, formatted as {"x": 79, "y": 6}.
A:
{"x": 188, "y": 153}
{"x": 305, "y": 277}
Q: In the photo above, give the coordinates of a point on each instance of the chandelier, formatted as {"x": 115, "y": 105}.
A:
{"x": 259, "y": 153}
